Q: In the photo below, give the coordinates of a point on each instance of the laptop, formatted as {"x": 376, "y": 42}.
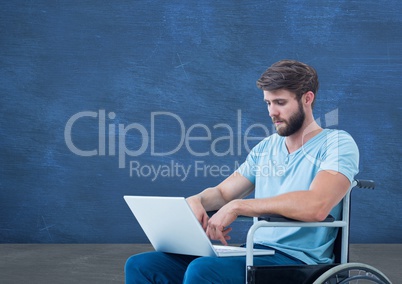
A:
{"x": 172, "y": 227}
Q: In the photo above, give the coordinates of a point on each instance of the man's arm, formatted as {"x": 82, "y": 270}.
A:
{"x": 327, "y": 190}
{"x": 233, "y": 187}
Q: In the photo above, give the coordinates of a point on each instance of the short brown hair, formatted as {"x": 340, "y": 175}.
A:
{"x": 291, "y": 75}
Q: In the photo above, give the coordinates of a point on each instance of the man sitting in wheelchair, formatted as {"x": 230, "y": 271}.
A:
{"x": 314, "y": 169}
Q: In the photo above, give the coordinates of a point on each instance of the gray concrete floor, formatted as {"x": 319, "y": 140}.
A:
{"x": 104, "y": 263}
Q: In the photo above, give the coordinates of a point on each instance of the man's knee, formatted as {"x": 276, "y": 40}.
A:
{"x": 133, "y": 262}
{"x": 134, "y": 269}
{"x": 156, "y": 267}
{"x": 141, "y": 268}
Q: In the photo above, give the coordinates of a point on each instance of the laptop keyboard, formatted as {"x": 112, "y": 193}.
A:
{"x": 228, "y": 249}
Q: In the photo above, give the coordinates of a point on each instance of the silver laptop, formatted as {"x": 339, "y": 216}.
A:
{"x": 171, "y": 226}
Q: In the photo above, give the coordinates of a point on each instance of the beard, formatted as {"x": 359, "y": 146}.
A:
{"x": 294, "y": 123}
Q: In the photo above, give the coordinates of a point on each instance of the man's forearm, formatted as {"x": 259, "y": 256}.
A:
{"x": 296, "y": 205}
{"x": 233, "y": 187}
{"x": 300, "y": 205}
{"x": 210, "y": 198}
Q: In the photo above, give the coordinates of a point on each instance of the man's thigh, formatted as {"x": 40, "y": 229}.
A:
{"x": 230, "y": 269}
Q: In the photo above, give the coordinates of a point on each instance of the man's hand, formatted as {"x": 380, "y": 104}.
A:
{"x": 199, "y": 211}
{"x": 218, "y": 225}
{"x": 225, "y": 197}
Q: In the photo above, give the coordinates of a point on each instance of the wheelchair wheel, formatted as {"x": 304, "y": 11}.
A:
{"x": 352, "y": 273}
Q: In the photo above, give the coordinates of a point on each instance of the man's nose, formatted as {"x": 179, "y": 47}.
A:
{"x": 272, "y": 111}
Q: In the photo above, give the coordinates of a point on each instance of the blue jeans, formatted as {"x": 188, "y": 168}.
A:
{"x": 159, "y": 267}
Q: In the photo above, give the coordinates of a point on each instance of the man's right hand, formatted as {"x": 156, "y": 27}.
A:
{"x": 199, "y": 211}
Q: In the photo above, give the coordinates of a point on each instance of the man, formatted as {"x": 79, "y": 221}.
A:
{"x": 314, "y": 168}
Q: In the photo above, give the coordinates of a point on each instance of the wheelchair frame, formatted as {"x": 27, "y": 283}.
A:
{"x": 342, "y": 272}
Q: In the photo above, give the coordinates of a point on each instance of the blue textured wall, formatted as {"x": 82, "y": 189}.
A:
{"x": 115, "y": 64}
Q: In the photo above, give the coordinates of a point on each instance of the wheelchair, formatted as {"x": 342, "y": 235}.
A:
{"x": 340, "y": 272}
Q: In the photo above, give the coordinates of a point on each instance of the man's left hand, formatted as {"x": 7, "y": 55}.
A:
{"x": 218, "y": 225}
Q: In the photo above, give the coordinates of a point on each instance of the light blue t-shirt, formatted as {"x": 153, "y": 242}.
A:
{"x": 274, "y": 171}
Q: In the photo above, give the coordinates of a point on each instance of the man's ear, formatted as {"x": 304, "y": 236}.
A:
{"x": 308, "y": 98}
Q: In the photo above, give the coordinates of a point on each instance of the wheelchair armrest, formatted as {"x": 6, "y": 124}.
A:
{"x": 211, "y": 213}
{"x": 328, "y": 222}
{"x": 364, "y": 183}
{"x": 280, "y": 218}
